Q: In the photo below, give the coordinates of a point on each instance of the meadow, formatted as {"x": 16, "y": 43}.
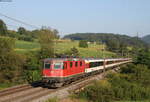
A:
{"x": 25, "y": 46}
{"x": 93, "y": 50}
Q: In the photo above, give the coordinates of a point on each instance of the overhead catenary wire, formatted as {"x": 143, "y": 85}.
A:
{"x": 19, "y": 21}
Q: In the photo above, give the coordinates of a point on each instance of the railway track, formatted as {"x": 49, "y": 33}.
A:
{"x": 29, "y": 93}
{"x": 14, "y": 89}
{"x": 26, "y": 96}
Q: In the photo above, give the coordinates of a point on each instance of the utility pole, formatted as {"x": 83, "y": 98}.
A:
{"x": 54, "y": 47}
{"x": 137, "y": 35}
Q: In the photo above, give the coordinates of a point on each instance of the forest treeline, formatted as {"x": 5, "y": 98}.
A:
{"x": 22, "y": 33}
{"x": 113, "y": 41}
{"x": 146, "y": 39}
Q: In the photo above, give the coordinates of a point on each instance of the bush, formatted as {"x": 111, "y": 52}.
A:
{"x": 72, "y": 52}
{"x": 25, "y": 38}
{"x": 83, "y": 44}
{"x": 101, "y": 91}
{"x": 32, "y": 70}
{"x": 132, "y": 84}
{"x": 143, "y": 57}
{"x": 46, "y": 39}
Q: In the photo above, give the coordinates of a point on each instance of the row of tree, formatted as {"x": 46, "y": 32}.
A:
{"x": 22, "y": 33}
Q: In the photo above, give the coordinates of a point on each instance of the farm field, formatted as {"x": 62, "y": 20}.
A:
{"x": 93, "y": 50}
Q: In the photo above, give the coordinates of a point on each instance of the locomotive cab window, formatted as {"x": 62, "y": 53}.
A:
{"x": 76, "y": 64}
{"x": 47, "y": 65}
{"x": 58, "y": 66}
{"x": 71, "y": 64}
{"x": 65, "y": 65}
{"x": 80, "y": 63}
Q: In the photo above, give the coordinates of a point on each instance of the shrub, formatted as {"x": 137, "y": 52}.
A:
{"x": 101, "y": 91}
{"x": 83, "y": 44}
{"x": 32, "y": 70}
{"x": 132, "y": 84}
{"x": 25, "y": 38}
{"x": 72, "y": 52}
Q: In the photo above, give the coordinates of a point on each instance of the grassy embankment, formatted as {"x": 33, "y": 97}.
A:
{"x": 3, "y": 86}
{"x": 80, "y": 100}
{"x": 62, "y": 47}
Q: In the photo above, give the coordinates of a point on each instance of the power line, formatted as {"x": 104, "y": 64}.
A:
{"x": 33, "y": 26}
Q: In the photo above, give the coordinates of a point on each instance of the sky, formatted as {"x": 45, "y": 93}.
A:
{"x": 81, "y": 16}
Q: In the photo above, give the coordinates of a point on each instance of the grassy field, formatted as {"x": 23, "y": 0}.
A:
{"x": 24, "y": 46}
{"x": 62, "y": 47}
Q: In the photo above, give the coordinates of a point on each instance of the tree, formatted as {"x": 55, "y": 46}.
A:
{"x": 6, "y": 45}
{"x": 10, "y": 63}
{"x": 123, "y": 49}
{"x": 46, "y": 39}
{"x": 32, "y": 68}
{"x": 143, "y": 57}
{"x": 56, "y": 33}
{"x": 21, "y": 31}
{"x": 72, "y": 52}
{"x": 83, "y": 44}
{"x": 12, "y": 34}
{"x": 3, "y": 28}
{"x": 113, "y": 45}
{"x": 35, "y": 34}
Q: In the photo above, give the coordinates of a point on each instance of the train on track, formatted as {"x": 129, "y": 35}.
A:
{"x": 60, "y": 71}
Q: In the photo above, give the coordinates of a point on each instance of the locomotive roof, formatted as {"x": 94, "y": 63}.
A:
{"x": 86, "y": 59}
{"x": 62, "y": 59}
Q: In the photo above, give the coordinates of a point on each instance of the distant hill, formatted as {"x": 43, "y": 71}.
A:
{"x": 146, "y": 39}
{"x": 108, "y": 37}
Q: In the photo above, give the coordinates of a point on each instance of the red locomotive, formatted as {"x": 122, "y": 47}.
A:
{"x": 61, "y": 71}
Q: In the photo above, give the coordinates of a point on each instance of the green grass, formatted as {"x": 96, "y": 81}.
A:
{"x": 6, "y": 85}
{"x": 132, "y": 101}
{"x": 62, "y": 47}
{"x": 55, "y": 99}
{"x": 93, "y": 49}
{"x": 24, "y": 46}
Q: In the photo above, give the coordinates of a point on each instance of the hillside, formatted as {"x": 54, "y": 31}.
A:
{"x": 146, "y": 39}
{"x": 108, "y": 37}
{"x": 93, "y": 50}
